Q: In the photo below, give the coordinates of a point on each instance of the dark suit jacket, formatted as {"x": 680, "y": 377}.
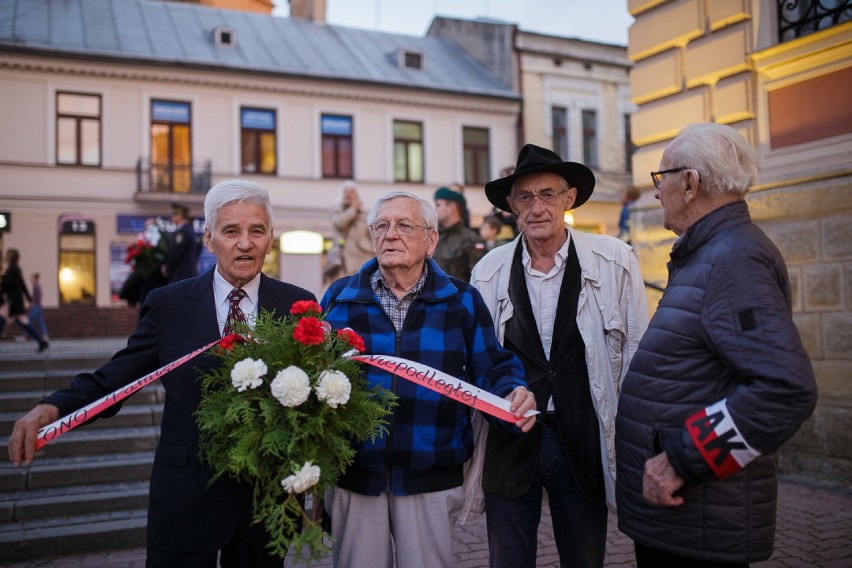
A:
{"x": 184, "y": 513}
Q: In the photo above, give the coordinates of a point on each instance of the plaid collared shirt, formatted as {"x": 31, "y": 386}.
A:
{"x": 396, "y": 309}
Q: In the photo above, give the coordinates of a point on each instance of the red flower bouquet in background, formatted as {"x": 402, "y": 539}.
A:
{"x": 281, "y": 413}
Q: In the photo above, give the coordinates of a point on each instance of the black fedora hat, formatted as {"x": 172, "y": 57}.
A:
{"x": 533, "y": 160}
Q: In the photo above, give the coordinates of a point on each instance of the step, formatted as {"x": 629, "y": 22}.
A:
{"x": 23, "y": 401}
{"x": 46, "y": 472}
{"x": 26, "y": 361}
{"x": 103, "y": 441}
{"x": 38, "y": 379}
{"x": 24, "y": 506}
{"x": 124, "y": 528}
{"x": 85, "y": 441}
{"x": 130, "y": 416}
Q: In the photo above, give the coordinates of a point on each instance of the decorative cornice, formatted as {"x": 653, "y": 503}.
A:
{"x": 273, "y": 83}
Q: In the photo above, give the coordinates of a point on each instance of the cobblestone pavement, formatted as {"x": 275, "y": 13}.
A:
{"x": 814, "y": 530}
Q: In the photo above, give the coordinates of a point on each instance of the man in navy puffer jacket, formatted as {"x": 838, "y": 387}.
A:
{"x": 721, "y": 379}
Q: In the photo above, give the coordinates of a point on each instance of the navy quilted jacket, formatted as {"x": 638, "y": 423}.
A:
{"x": 449, "y": 328}
{"x": 720, "y": 381}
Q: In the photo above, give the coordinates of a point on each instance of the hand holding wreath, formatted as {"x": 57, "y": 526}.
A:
{"x": 281, "y": 413}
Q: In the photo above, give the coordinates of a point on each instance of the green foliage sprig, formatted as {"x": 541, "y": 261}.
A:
{"x": 248, "y": 434}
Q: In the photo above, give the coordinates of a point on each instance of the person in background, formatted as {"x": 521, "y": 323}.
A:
{"x": 721, "y": 379}
{"x": 459, "y": 247}
{"x": 353, "y": 235}
{"x": 192, "y": 520}
{"x": 572, "y": 306}
{"x": 14, "y": 290}
{"x": 36, "y": 313}
{"x": 402, "y": 494}
{"x": 182, "y": 257}
{"x": 628, "y": 196}
{"x": 459, "y": 187}
{"x": 489, "y": 230}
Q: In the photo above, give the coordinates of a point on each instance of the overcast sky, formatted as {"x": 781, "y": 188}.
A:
{"x": 605, "y": 21}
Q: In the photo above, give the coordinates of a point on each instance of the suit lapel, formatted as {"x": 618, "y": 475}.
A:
{"x": 200, "y": 310}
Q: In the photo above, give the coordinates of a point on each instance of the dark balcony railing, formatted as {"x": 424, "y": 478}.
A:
{"x": 797, "y": 18}
{"x": 193, "y": 177}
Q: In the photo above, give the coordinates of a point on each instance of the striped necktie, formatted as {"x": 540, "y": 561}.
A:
{"x": 235, "y": 314}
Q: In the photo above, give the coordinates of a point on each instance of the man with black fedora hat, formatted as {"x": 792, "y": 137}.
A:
{"x": 572, "y": 306}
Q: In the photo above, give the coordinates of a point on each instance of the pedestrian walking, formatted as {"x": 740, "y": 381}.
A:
{"x": 14, "y": 291}
{"x": 36, "y": 313}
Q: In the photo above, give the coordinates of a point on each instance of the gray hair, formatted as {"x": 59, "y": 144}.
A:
{"x": 427, "y": 210}
{"x": 235, "y": 191}
{"x": 726, "y": 162}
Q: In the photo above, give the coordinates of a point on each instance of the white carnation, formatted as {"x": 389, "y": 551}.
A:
{"x": 247, "y": 374}
{"x": 303, "y": 479}
{"x": 334, "y": 388}
{"x": 291, "y": 386}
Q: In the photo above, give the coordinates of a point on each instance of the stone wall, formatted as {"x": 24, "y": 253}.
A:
{"x": 709, "y": 61}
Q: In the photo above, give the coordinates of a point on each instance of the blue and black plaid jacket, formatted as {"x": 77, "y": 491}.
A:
{"x": 449, "y": 328}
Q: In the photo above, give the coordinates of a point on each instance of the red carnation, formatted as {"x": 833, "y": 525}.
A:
{"x": 352, "y": 339}
{"x": 305, "y": 307}
{"x": 309, "y": 331}
{"x": 230, "y": 340}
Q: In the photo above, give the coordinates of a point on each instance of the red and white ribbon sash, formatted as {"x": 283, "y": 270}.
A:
{"x": 444, "y": 384}
{"x": 54, "y": 430}
{"x": 423, "y": 375}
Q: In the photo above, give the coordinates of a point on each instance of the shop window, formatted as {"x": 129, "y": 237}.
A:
{"x": 76, "y": 261}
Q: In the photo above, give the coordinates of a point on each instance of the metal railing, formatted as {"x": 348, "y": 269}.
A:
{"x": 797, "y": 18}
{"x": 194, "y": 177}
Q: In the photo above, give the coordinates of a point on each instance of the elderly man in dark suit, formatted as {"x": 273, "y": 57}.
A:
{"x": 189, "y": 520}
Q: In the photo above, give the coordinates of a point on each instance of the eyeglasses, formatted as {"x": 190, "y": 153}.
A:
{"x": 381, "y": 228}
{"x": 547, "y": 196}
{"x": 657, "y": 177}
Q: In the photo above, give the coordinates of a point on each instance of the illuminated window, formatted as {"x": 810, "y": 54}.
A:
{"x": 258, "y": 141}
{"x": 171, "y": 146}
{"x": 78, "y": 129}
{"x": 336, "y": 146}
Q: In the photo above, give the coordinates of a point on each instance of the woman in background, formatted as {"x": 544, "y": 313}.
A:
{"x": 15, "y": 290}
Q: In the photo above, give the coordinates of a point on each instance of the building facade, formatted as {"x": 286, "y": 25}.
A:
{"x": 109, "y": 116}
{"x": 779, "y": 72}
{"x": 576, "y": 101}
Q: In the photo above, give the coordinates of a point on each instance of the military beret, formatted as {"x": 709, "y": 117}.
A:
{"x": 450, "y": 195}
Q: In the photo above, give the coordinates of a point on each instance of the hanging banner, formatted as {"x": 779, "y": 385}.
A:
{"x": 444, "y": 384}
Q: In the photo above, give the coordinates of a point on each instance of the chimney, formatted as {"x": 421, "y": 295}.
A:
{"x": 310, "y": 10}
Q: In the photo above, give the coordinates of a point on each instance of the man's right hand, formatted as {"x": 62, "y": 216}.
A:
{"x": 22, "y": 442}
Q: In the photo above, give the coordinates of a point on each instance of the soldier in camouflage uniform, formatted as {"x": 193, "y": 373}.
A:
{"x": 459, "y": 247}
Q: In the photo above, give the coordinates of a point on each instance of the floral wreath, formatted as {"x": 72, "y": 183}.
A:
{"x": 282, "y": 412}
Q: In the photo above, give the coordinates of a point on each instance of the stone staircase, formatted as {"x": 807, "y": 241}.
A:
{"x": 87, "y": 490}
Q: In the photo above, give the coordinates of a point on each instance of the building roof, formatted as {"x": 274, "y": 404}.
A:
{"x": 183, "y": 35}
